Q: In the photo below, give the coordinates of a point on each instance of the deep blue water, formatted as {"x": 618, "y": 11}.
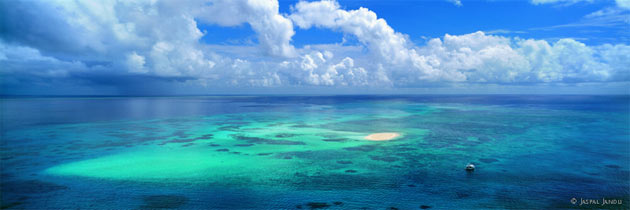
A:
{"x": 531, "y": 152}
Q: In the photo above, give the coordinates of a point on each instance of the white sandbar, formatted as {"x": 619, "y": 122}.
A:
{"x": 382, "y": 136}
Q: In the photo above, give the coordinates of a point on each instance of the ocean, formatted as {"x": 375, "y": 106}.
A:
{"x": 310, "y": 152}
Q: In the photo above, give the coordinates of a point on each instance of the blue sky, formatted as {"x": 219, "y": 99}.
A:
{"x": 314, "y": 47}
{"x": 431, "y": 19}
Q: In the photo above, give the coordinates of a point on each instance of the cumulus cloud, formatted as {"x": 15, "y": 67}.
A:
{"x": 388, "y": 46}
{"x": 363, "y": 23}
{"x": 495, "y": 59}
{"x": 274, "y": 30}
{"x": 135, "y": 63}
{"x": 161, "y": 40}
{"x": 118, "y": 33}
{"x": 474, "y": 57}
{"x": 318, "y": 68}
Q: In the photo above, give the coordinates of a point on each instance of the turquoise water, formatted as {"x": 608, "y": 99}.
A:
{"x": 290, "y": 152}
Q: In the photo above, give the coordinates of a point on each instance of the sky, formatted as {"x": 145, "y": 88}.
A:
{"x": 153, "y": 47}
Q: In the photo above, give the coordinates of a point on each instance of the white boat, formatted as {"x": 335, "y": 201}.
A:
{"x": 470, "y": 167}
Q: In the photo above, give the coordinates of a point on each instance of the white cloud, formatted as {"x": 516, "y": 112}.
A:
{"x": 617, "y": 57}
{"x": 26, "y": 60}
{"x": 387, "y": 46}
{"x": 612, "y": 17}
{"x": 456, "y": 2}
{"x": 321, "y": 68}
{"x": 558, "y": 1}
{"x": 625, "y": 4}
{"x": 363, "y": 23}
{"x": 161, "y": 39}
{"x": 135, "y": 63}
{"x": 476, "y": 57}
{"x": 274, "y": 30}
{"x": 495, "y": 59}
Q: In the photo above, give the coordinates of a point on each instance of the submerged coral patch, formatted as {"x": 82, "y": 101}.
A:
{"x": 30, "y": 187}
{"x": 163, "y": 201}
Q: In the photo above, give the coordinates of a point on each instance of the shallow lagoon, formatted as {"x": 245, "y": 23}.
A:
{"x": 270, "y": 152}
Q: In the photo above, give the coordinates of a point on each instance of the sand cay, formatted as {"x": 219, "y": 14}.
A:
{"x": 382, "y": 136}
